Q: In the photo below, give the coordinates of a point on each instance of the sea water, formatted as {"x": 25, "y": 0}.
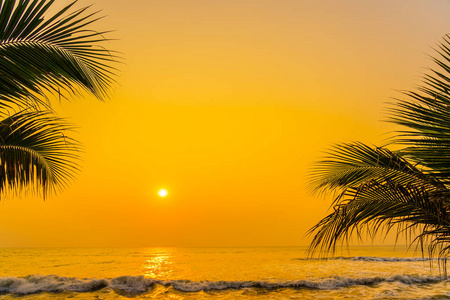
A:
{"x": 370, "y": 272}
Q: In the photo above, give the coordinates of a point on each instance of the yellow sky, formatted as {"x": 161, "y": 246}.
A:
{"x": 226, "y": 104}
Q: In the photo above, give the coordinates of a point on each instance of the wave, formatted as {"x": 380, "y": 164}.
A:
{"x": 371, "y": 258}
{"x": 134, "y": 285}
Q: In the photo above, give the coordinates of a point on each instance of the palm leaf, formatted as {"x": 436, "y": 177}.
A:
{"x": 35, "y": 154}
{"x": 57, "y": 53}
{"x": 374, "y": 205}
{"x": 425, "y": 114}
{"x": 378, "y": 189}
{"x": 354, "y": 164}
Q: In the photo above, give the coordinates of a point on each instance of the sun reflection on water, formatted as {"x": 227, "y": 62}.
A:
{"x": 158, "y": 265}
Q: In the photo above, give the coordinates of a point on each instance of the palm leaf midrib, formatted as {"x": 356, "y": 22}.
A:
{"x": 391, "y": 200}
{"x": 34, "y": 153}
{"x": 325, "y": 232}
{"x": 378, "y": 171}
{"x": 70, "y": 51}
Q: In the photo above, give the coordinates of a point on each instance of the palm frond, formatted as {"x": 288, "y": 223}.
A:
{"x": 378, "y": 189}
{"x": 35, "y": 154}
{"x": 353, "y": 164}
{"x": 425, "y": 114}
{"x": 40, "y": 53}
{"x": 373, "y": 206}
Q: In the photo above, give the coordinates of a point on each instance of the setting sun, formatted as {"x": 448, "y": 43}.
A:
{"x": 162, "y": 193}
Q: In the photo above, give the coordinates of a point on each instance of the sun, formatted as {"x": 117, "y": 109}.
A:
{"x": 163, "y": 192}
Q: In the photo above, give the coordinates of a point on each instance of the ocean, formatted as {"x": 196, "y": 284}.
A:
{"x": 362, "y": 272}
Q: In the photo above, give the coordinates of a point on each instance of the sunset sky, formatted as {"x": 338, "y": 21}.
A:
{"x": 226, "y": 104}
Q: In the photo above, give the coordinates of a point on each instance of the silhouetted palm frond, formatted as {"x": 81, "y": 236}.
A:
{"x": 40, "y": 52}
{"x": 35, "y": 154}
{"x": 378, "y": 189}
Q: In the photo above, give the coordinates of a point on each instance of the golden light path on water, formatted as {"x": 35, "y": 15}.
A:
{"x": 159, "y": 263}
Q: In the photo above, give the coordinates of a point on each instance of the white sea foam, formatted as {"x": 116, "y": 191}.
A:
{"x": 387, "y": 259}
{"x": 371, "y": 258}
{"x": 35, "y": 284}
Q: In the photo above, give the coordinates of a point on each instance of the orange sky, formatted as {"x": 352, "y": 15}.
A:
{"x": 226, "y": 104}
